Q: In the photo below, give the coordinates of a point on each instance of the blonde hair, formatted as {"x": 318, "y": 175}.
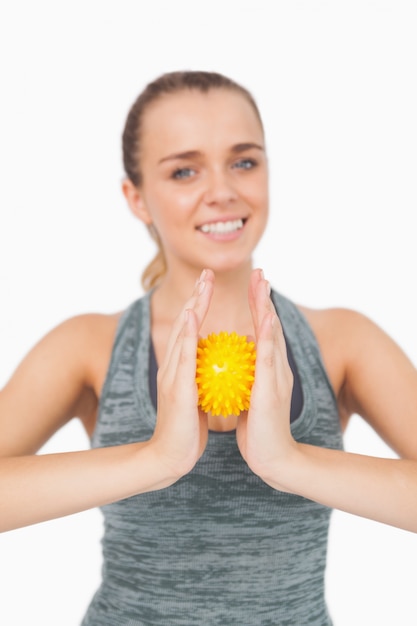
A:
{"x": 156, "y": 269}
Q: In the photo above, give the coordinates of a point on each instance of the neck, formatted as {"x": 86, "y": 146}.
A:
{"x": 229, "y": 309}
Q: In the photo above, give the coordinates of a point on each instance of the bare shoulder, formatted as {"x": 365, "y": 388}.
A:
{"x": 60, "y": 378}
{"x": 349, "y": 332}
{"x": 371, "y": 374}
{"x": 334, "y": 329}
{"x": 337, "y": 325}
{"x": 88, "y": 341}
{"x": 83, "y": 342}
{"x": 88, "y": 337}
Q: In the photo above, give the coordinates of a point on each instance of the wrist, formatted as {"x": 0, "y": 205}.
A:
{"x": 281, "y": 472}
{"x": 151, "y": 469}
{"x": 166, "y": 468}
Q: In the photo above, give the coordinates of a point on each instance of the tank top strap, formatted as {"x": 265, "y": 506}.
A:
{"x": 308, "y": 360}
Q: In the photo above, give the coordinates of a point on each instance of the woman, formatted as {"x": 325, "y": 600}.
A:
{"x": 208, "y": 520}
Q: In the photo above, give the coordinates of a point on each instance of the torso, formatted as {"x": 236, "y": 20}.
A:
{"x": 322, "y": 322}
{"x": 197, "y": 537}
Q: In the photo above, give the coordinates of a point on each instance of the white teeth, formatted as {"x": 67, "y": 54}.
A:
{"x": 222, "y": 227}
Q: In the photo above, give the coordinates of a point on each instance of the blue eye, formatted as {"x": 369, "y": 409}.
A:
{"x": 182, "y": 172}
{"x": 245, "y": 164}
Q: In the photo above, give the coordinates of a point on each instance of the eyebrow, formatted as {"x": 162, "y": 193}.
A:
{"x": 242, "y": 147}
{"x": 192, "y": 154}
{"x": 189, "y": 154}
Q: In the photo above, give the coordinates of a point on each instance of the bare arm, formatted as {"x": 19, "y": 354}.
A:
{"x": 37, "y": 488}
{"x": 382, "y": 387}
{"x": 50, "y": 386}
{"x": 53, "y": 384}
{"x": 384, "y": 490}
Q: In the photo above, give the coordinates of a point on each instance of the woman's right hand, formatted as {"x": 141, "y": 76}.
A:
{"x": 181, "y": 430}
{"x": 35, "y": 488}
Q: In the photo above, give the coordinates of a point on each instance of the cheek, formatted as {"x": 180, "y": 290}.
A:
{"x": 185, "y": 200}
{"x": 258, "y": 196}
{"x": 170, "y": 209}
{"x": 177, "y": 199}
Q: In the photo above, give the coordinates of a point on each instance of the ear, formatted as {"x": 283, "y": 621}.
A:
{"x": 135, "y": 201}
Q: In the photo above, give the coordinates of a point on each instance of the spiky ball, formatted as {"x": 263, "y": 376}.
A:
{"x": 225, "y": 373}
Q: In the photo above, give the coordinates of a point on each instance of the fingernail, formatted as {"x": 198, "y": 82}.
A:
{"x": 268, "y": 288}
{"x": 202, "y": 275}
{"x": 201, "y": 287}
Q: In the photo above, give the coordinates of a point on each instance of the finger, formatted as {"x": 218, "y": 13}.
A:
{"x": 181, "y": 367}
{"x": 272, "y": 369}
{"x": 260, "y": 298}
{"x": 198, "y": 302}
{"x": 256, "y": 277}
{"x": 280, "y": 349}
{"x": 265, "y": 353}
{"x": 264, "y": 310}
{"x": 187, "y": 362}
{"x": 205, "y": 292}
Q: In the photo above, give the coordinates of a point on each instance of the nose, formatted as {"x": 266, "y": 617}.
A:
{"x": 220, "y": 189}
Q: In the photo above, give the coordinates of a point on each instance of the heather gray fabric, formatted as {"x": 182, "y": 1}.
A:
{"x": 220, "y": 547}
{"x": 297, "y": 392}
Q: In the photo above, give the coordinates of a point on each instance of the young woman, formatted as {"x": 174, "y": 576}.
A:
{"x": 208, "y": 520}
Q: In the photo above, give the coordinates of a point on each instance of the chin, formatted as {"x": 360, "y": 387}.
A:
{"x": 227, "y": 265}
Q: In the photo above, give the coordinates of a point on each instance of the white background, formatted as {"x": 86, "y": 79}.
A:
{"x": 336, "y": 83}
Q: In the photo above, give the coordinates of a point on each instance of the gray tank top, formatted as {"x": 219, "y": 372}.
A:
{"x": 219, "y": 547}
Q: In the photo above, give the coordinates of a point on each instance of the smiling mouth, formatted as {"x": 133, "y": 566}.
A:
{"x": 222, "y": 227}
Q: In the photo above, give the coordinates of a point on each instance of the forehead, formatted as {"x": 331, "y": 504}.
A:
{"x": 190, "y": 119}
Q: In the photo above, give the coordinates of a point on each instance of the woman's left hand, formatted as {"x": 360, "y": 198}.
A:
{"x": 263, "y": 433}
{"x": 376, "y": 488}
